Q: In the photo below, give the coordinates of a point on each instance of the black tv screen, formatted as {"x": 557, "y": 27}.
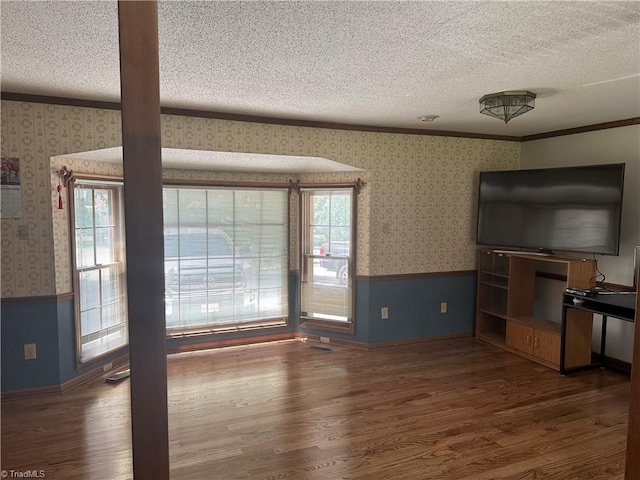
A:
{"x": 573, "y": 209}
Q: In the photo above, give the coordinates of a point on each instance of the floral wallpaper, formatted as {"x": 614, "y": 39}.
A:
{"x": 33, "y": 133}
{"x": 416, "y": 213}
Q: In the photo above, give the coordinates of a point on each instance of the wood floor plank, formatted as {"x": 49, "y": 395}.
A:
{"x": 450, "y": 409}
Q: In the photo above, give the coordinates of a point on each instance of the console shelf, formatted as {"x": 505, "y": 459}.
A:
{"x": 505, "y": 299}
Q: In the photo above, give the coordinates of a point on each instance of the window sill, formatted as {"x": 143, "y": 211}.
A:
{"x": 222, "y": 329}
{"x": 100, "y": 360}
{"x": 327, "y": 325}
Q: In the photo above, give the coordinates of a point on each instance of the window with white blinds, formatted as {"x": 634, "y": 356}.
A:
{"x": 226, "y": 257}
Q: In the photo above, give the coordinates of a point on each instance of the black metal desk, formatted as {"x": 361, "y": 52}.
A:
{"x": 618, "y": 305}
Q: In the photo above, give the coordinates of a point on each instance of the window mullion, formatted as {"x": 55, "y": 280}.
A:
{"x": 101, "y": 296}
{"x": 207, "y": 242}
{"x": 93, "y": 226}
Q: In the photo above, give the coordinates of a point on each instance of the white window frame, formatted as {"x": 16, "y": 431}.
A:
{"x": 107, "y": 339}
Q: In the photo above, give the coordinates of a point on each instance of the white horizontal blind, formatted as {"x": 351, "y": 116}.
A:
{"x": 226, "y": 260}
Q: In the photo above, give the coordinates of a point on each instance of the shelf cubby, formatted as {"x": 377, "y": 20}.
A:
{"x": 505, "y": 303}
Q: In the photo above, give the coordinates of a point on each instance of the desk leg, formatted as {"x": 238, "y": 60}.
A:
{"x": 563, "y": 334}
{"x": 603, "y": 339}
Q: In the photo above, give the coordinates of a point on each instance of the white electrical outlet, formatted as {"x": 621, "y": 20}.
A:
{"x": 106, "y": 367}
{"x": 325, "y": 339}
{"x": 30, "y": 351}
{"x": 384, "y": 313}
{"x": 443, "y": 307}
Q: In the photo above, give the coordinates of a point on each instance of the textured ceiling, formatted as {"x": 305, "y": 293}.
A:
{"x": 364, "y": 63}
{"x": 224, "y": 161}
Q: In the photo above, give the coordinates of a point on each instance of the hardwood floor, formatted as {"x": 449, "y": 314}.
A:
{"x": 448, "y": 409}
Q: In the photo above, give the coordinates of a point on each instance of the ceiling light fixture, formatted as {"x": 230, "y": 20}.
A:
{"x": 428, "y": 118}
{"x": 507, "y": 105}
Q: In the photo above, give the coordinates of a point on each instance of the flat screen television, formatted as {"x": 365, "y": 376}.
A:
{"x": 571, "y": 209}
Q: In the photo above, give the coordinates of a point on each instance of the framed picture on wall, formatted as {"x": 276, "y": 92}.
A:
{"x": 10, "y": 191}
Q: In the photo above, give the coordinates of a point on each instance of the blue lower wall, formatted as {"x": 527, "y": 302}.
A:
{"x": 51, "y": 326}
{"x": 66, "y": 341}
{"x": 414, "y": 308}
{"x": 413, "y": 303}
{"x": 21, "y": 324}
